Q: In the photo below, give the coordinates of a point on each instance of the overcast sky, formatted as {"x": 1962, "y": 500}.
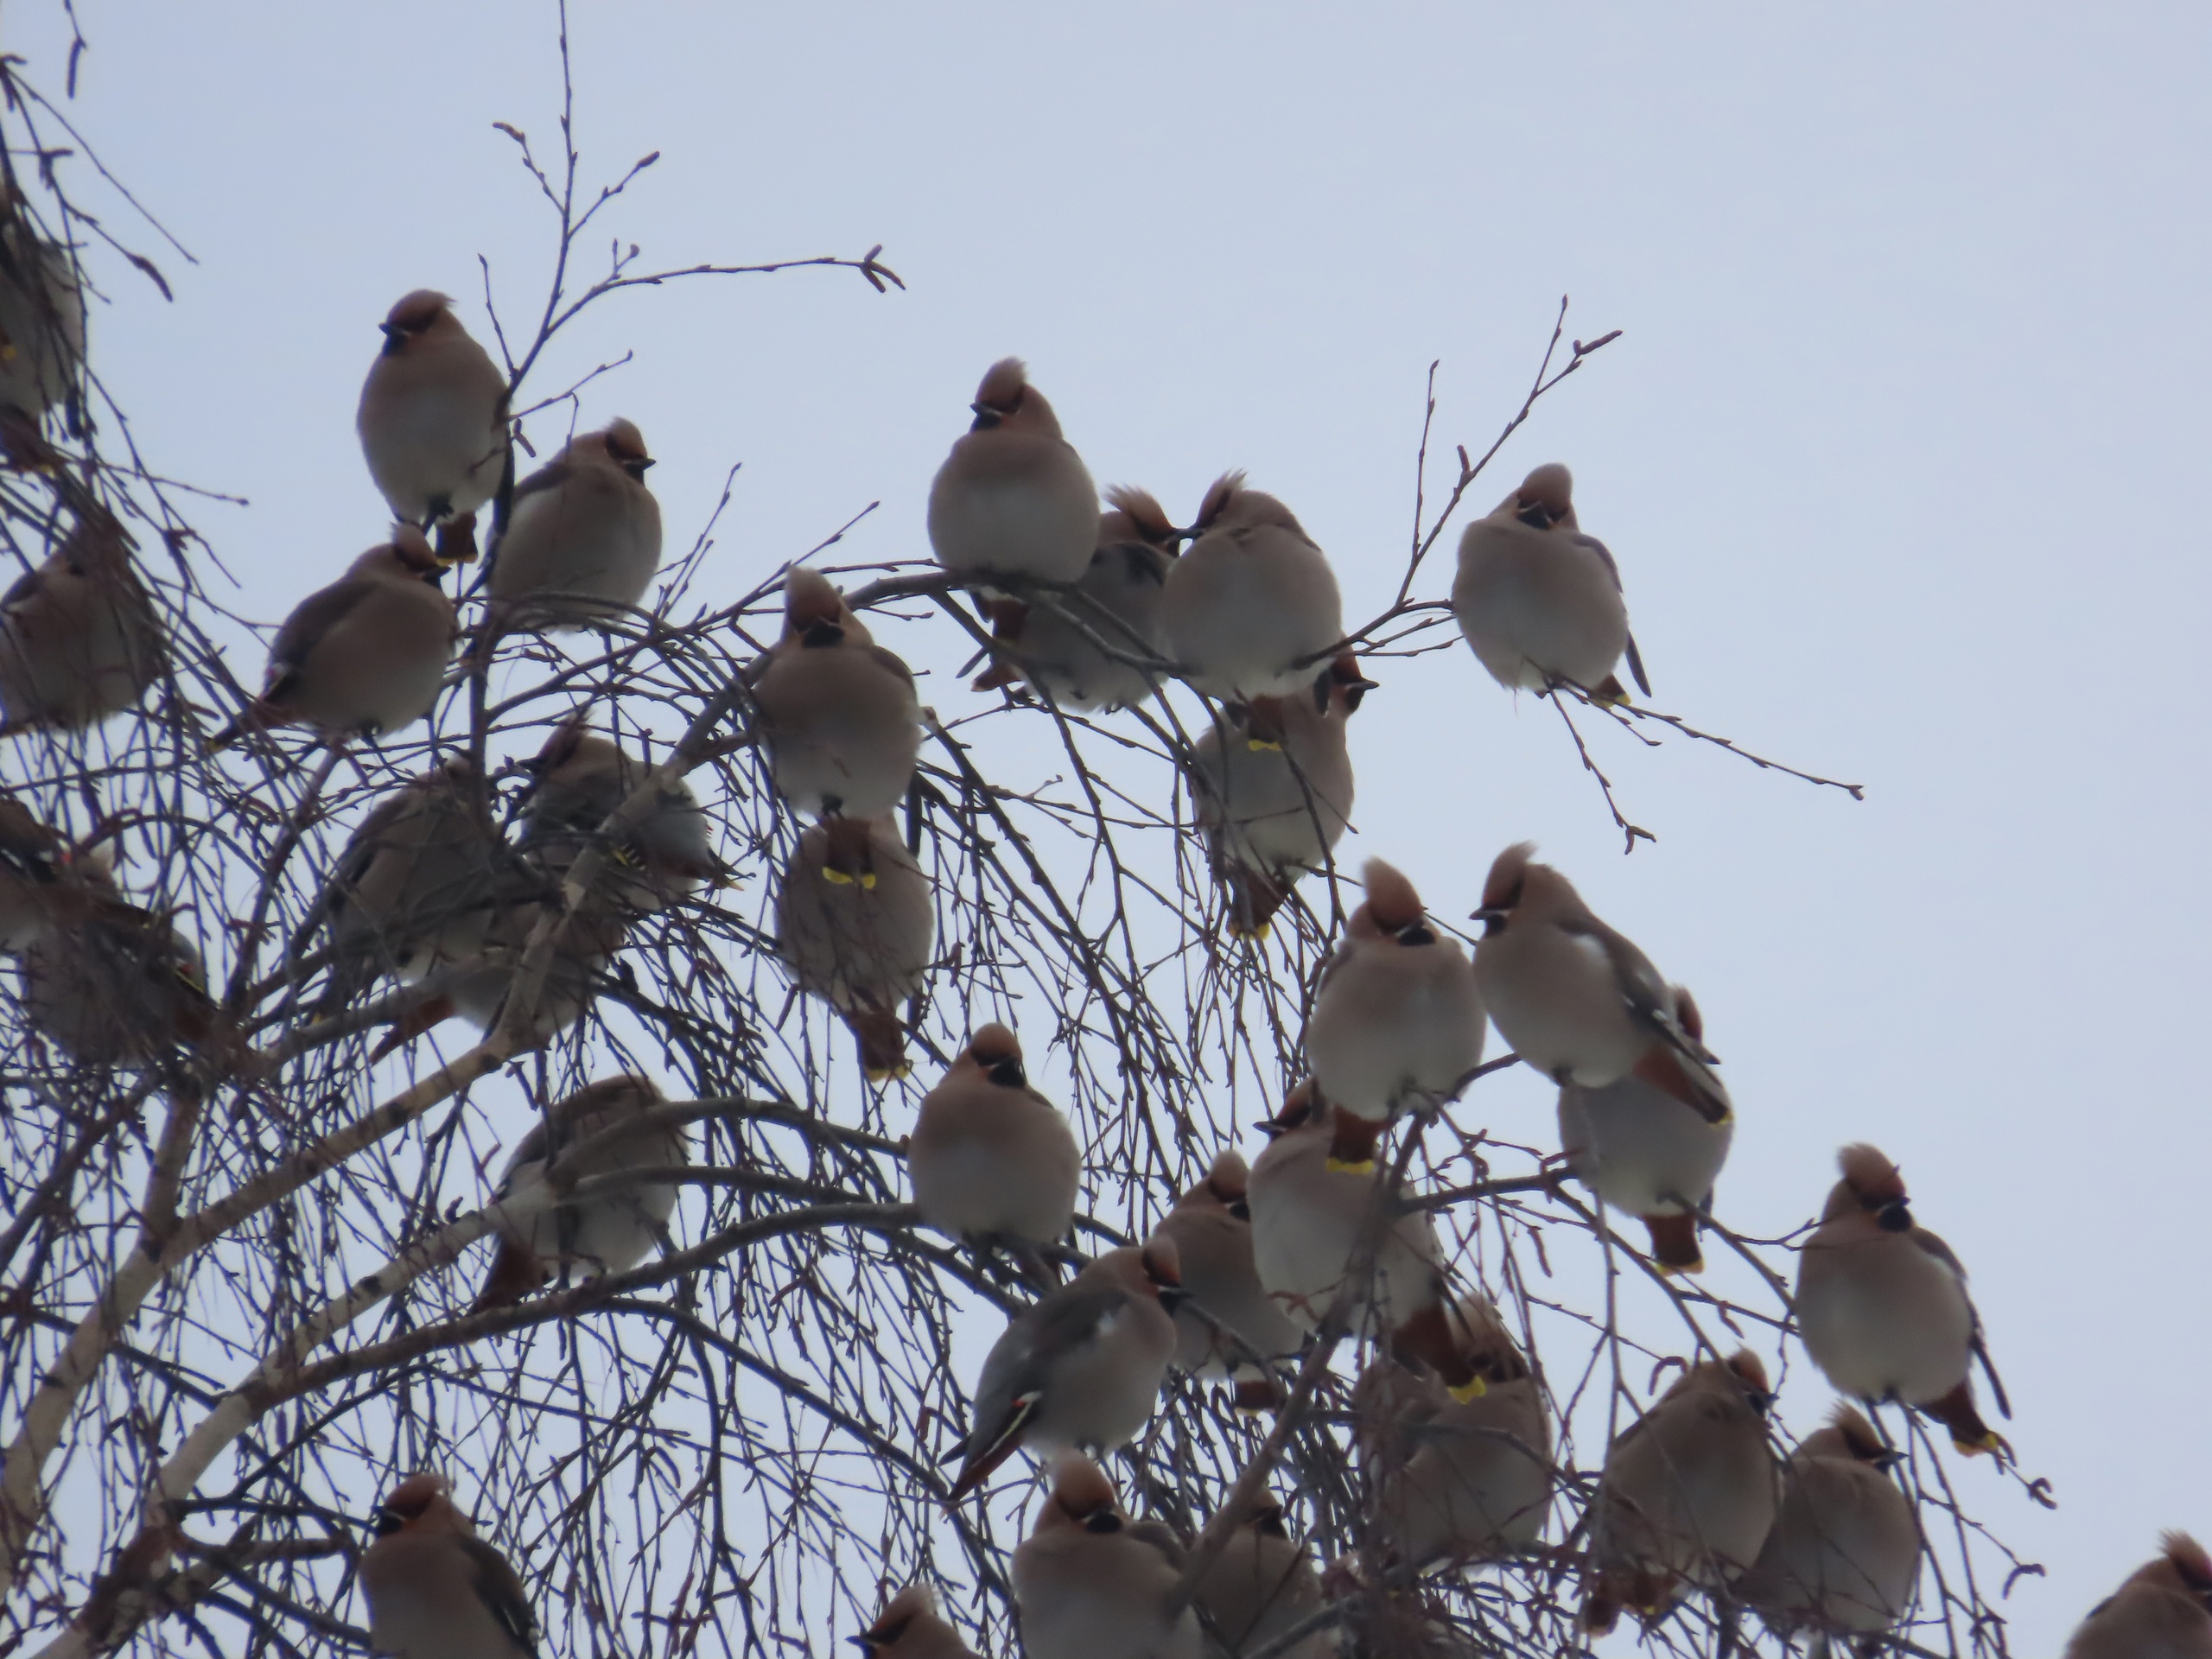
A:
{"x": 1901, "y": 452}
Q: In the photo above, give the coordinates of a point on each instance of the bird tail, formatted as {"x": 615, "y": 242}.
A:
{"x": 883, "y": 1043}
{"x": 1675, "y": 1245}
{"x": 515, "y": 1271}
{"x": 1957, "y": 1413}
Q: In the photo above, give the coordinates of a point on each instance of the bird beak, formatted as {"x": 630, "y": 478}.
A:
{"x": 1173, "y": 1297}
{"x": 391, "y": 331}
{"x": 1486, "y": 915}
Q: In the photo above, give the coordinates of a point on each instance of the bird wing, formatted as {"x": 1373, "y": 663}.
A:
{"x": 1158, "y": 1535}
{"x": 304, "y": 628}
{"x": 894, "y": 664}
{"x": 1935, "y": 1247}
{"x": 501, "y": 1590}
{"x": 551, "y": 476}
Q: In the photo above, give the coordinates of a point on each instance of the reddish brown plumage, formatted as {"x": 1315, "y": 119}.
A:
{"x": 1391, "y": 899}
{"x": 1674, "y": 1243}
{"x": 1502, "y": 888}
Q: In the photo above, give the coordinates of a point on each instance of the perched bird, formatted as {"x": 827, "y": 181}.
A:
{"x": 1092, "y": 1584}
{"x": 1261, "y": 1585}
{"x": 857, "y": 929}
{"x": 1308, "y": 1219}
{"x": 1212, "y": 1225}
{"x": 419, "y": 883}
{"x": 433, "y": 422}
{"x": 1882, "y": 1304}
{"x": 1013, "y": 498}
{"x": 79, "y": 636}
{"x": 1252, "y": 608}
{"x": 593, "y": 1232}
{"x": 1689, "y": 1494}
{"x": 1539, "y": 602}
{"x": 838, "y": 712}
{"x": 1396, "y": 1018}
{"x": 583, "y": 541}
{"x": 110, "y": 983}
{"x": 1642, "y": 1150}
{"x": 993, "y": 1161}
{"x": 1272, "y": 788}
{"x": 41, "y": 332}
{"x": 1466, "y": 1472}
{"x": 909, "y": 1627}
{"x": 366, "y": 654}
{"x": 1845, "y": 1545}
{"x": 434, "y": 1589}
{"x": 578, "y": 965}
{"x": 1577, "y": 1001}
{"x": 2163, "y": 1612}
{"x": 31, "y": 858}
{"x": 1082, "y": 1367}
{"x": 1058, "y": 647}
{"x": 577, "y": 780}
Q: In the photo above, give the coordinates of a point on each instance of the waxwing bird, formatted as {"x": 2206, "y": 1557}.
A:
{"x": 1212, "y": 1225}
{"x": 1308, "y": 1220}
{"x": 366, "y": 654}
{"x": 583, "y": 541}
{"x": 31, "y": 856}
{"x": 2163, "y": 1612}
{"x": 1472, "y": 1477}
{"x": 1252, "y": 608}
{"x": 419, "y": 883}
{"x": 578, "y": 966}
{"x": 1272, "y": 788}
{"x": 857, "y": 928}
{"x": 1882, "y": 1304}
{"x": 1261, "y": 1585}
{"x": 593, "y": 1232}
{"x": 79, "y": 636}
{"x": 909, "y": 1627}
{"x": 1092, "y": 1584}
{"x": 434, "y": 1589}
{"x": 578, "y": 779}
{"x": 1075, "y": 648}
{"x": 1082, "y": 1367}
{"x": 1396, "y": 1021}
{"x": 838, "y": 711}
{"x": 993, "y": 1161}
{"x": 433, "y": 421}
{"x": 1645, "y": 1151}
{"x": 1539, "y": 602}
{"x": 109, "y": 982}
{"x": 1579, "y": 1001}
{"x": 1013, "y": 498}
{"x": 41, "y": 333}
{"x": 1689, "y": 1494}
{"x": 1846, "y": 1545}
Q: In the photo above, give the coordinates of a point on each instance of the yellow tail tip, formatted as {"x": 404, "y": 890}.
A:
{"x": 1670, "y": 1270}
{"x": 1474, "y": 1389}
{"x": 867, "y": 881}
{"x": 1262, "y": 745}
{"x": 889, "y": 1073}
{"x": 835, "y": 877}
{"x": 1337, "y": 1166}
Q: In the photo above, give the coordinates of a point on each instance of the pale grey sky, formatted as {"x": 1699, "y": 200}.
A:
{"x": 1901, "y": 453}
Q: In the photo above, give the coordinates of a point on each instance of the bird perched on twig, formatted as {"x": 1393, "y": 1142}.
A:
{"x": 42, "y": 334}
{"x": 909, "y": 1627}
{"x": 1396, "y": 1020}
{"x": 1576, "y": 998}
{"x": 1092, "y": 1584}
{"x": 365, "y": 656}
{"x": 1272, "y": 788}
{"x": 434, "y": 1589}
{"x": 992, "y": 1160}
{"x": 79, "y": 636}
{"x": 1882, "y": 1304}
{"x": 1689, "y": 1494}
{"x": 1251, "y": 609}
{"x": 2164, "y": 1609}
{"x": 1539, "y": 602}
{"x": 582, "y": 541}
{"x": 1013, "y": 498}
{"x": 1643, "y": 1150}
{"x": 1075, "y": 648}
{"x": 577, "y": 780}
{"x": 593, "y": 1232}
{"x": 1212, "y": 1225}
{"x": 857, "y": 928}
{"x": 1082, "y": 1367}
{"x": 433, "y": 422}
{"x": 1846, "y": 1545}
